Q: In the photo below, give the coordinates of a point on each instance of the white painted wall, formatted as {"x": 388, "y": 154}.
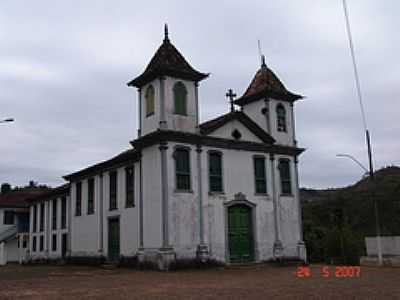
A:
{"x": 128, "y": 216}
{"x": 282, "y": 138}
{"x": 151, "y": 159}
{"x": 253, "y": 110}
{"x": 151, "y": 123}
{"x": 226, "y": 132}
{"x": 390, "y": 245}
{"x": 178, "y": 122}
{"x": 238, "y": 177}
{"x": 84, "y": 228}
{"x": 174, "y": 122}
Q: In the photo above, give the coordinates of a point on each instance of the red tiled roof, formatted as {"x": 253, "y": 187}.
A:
{"x": 50, "y": 194}
{"x": 18, "y": 199}
{"x": 167, "y": 61}
{"x": 211, "y": 125}
{"x": 266, "y": 83}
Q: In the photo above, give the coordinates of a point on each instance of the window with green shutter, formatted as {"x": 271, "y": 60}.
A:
{"x": 149, "y": 96}
{"x": 260, "y": 175}
{"x": 130, "y": 186}
{"x": 182, "y": 169}
{"x": 41, "y": 221}
{"x": 180, "y": 99}
{"x": 113, "y": 190}
{"x": 63, "y": 212}
{"x": 54, "y": 242}
{"x": 78, "y": 199}
{"x": 215, "y": 171}
{"x": 90, "y": 207}
{"x": 286, "y": 181}
{"x": 34, "y": 218}
{"x": 54, "y": 214}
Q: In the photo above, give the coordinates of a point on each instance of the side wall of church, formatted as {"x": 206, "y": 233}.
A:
{"x": 85, "y": 228}
{"x": 151, "y": 159}
{"x": 89, "y": 232}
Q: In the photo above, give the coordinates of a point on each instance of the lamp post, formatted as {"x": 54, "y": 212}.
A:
{"x": 376, "y": 211}
{"x": 7, "y": 120}
{"x": 367, "y": 135}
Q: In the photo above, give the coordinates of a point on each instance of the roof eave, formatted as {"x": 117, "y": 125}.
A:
{"x": 147, "y": 77}
{"x": 290, "y": 97}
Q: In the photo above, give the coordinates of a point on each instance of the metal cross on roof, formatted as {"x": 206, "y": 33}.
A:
{"x": 231, "y": 95}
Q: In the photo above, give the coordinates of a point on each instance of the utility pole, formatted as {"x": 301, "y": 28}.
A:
{"x": 367, "y": 135}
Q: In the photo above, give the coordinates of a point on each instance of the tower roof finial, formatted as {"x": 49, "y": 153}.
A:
{"x": 263, "y": 64}
{"x": 166, "y": 39}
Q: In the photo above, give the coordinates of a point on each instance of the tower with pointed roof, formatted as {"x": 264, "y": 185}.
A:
{"x": 270, "y": 104}
{"x": 224, "y": 190}
{"x": 168, "y": 91}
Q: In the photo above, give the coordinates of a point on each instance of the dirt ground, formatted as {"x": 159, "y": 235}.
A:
{"x": 250, "y": 282}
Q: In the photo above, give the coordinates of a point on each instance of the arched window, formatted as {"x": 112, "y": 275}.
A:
{"x": 149, "y": 100}
{"x": 281, "y": 118}
{"x": 180, "y": 102}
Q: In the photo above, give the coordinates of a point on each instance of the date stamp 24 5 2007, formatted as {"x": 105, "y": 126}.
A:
{"x": 327, "y": 272}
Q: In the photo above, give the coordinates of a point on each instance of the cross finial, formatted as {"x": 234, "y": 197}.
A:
{"x": 166, "y": 39}
{"x": 231, "y": 95}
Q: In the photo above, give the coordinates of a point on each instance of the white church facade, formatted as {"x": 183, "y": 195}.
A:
{"x": 225, "y": 190}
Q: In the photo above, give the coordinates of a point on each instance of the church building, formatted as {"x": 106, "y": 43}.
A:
{"x": 224, "y": 190}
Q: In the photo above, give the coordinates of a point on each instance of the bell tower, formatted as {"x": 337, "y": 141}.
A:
{"x": 168, "y": 92}
{"x": 267, "y": 102}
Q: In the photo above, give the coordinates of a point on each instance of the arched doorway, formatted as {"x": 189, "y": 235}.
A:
{"x": 240, "y": 233}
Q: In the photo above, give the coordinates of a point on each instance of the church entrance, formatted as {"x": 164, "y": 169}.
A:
{"x": 240, "y": 233}
{"x": 113, "y": 240}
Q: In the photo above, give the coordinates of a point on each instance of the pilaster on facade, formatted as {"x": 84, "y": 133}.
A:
{"x": 278, "y": 247}
{"x": 301, "y": 247}
{"x": 164, "y": 194}
{"x": 202, "y": 252}
{"x": 141, "y": 203}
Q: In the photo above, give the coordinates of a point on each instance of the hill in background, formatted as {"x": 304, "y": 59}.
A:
{"x": 335, "y": 221}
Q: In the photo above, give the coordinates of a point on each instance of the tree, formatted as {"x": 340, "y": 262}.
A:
{"x": 5, "y": 188}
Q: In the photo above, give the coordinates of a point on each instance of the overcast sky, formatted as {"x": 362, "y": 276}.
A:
{"x": 64, "y": 67}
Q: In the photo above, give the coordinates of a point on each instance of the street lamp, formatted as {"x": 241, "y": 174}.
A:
{"x": 367, "y": 136}
{"x": 7, "y": 120}
{"x": 376, "y": 211}
{"x": 353, "y": 159}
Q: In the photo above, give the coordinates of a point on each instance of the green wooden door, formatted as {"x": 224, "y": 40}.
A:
{"x": 240, "y": 233}
{"x": 113, "y": 240}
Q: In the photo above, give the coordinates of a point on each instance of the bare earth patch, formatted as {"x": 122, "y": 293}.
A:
{"x": 252, "y": 282}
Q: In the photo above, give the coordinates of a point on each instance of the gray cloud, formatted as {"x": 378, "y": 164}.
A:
{"x": 64, "y": 66}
